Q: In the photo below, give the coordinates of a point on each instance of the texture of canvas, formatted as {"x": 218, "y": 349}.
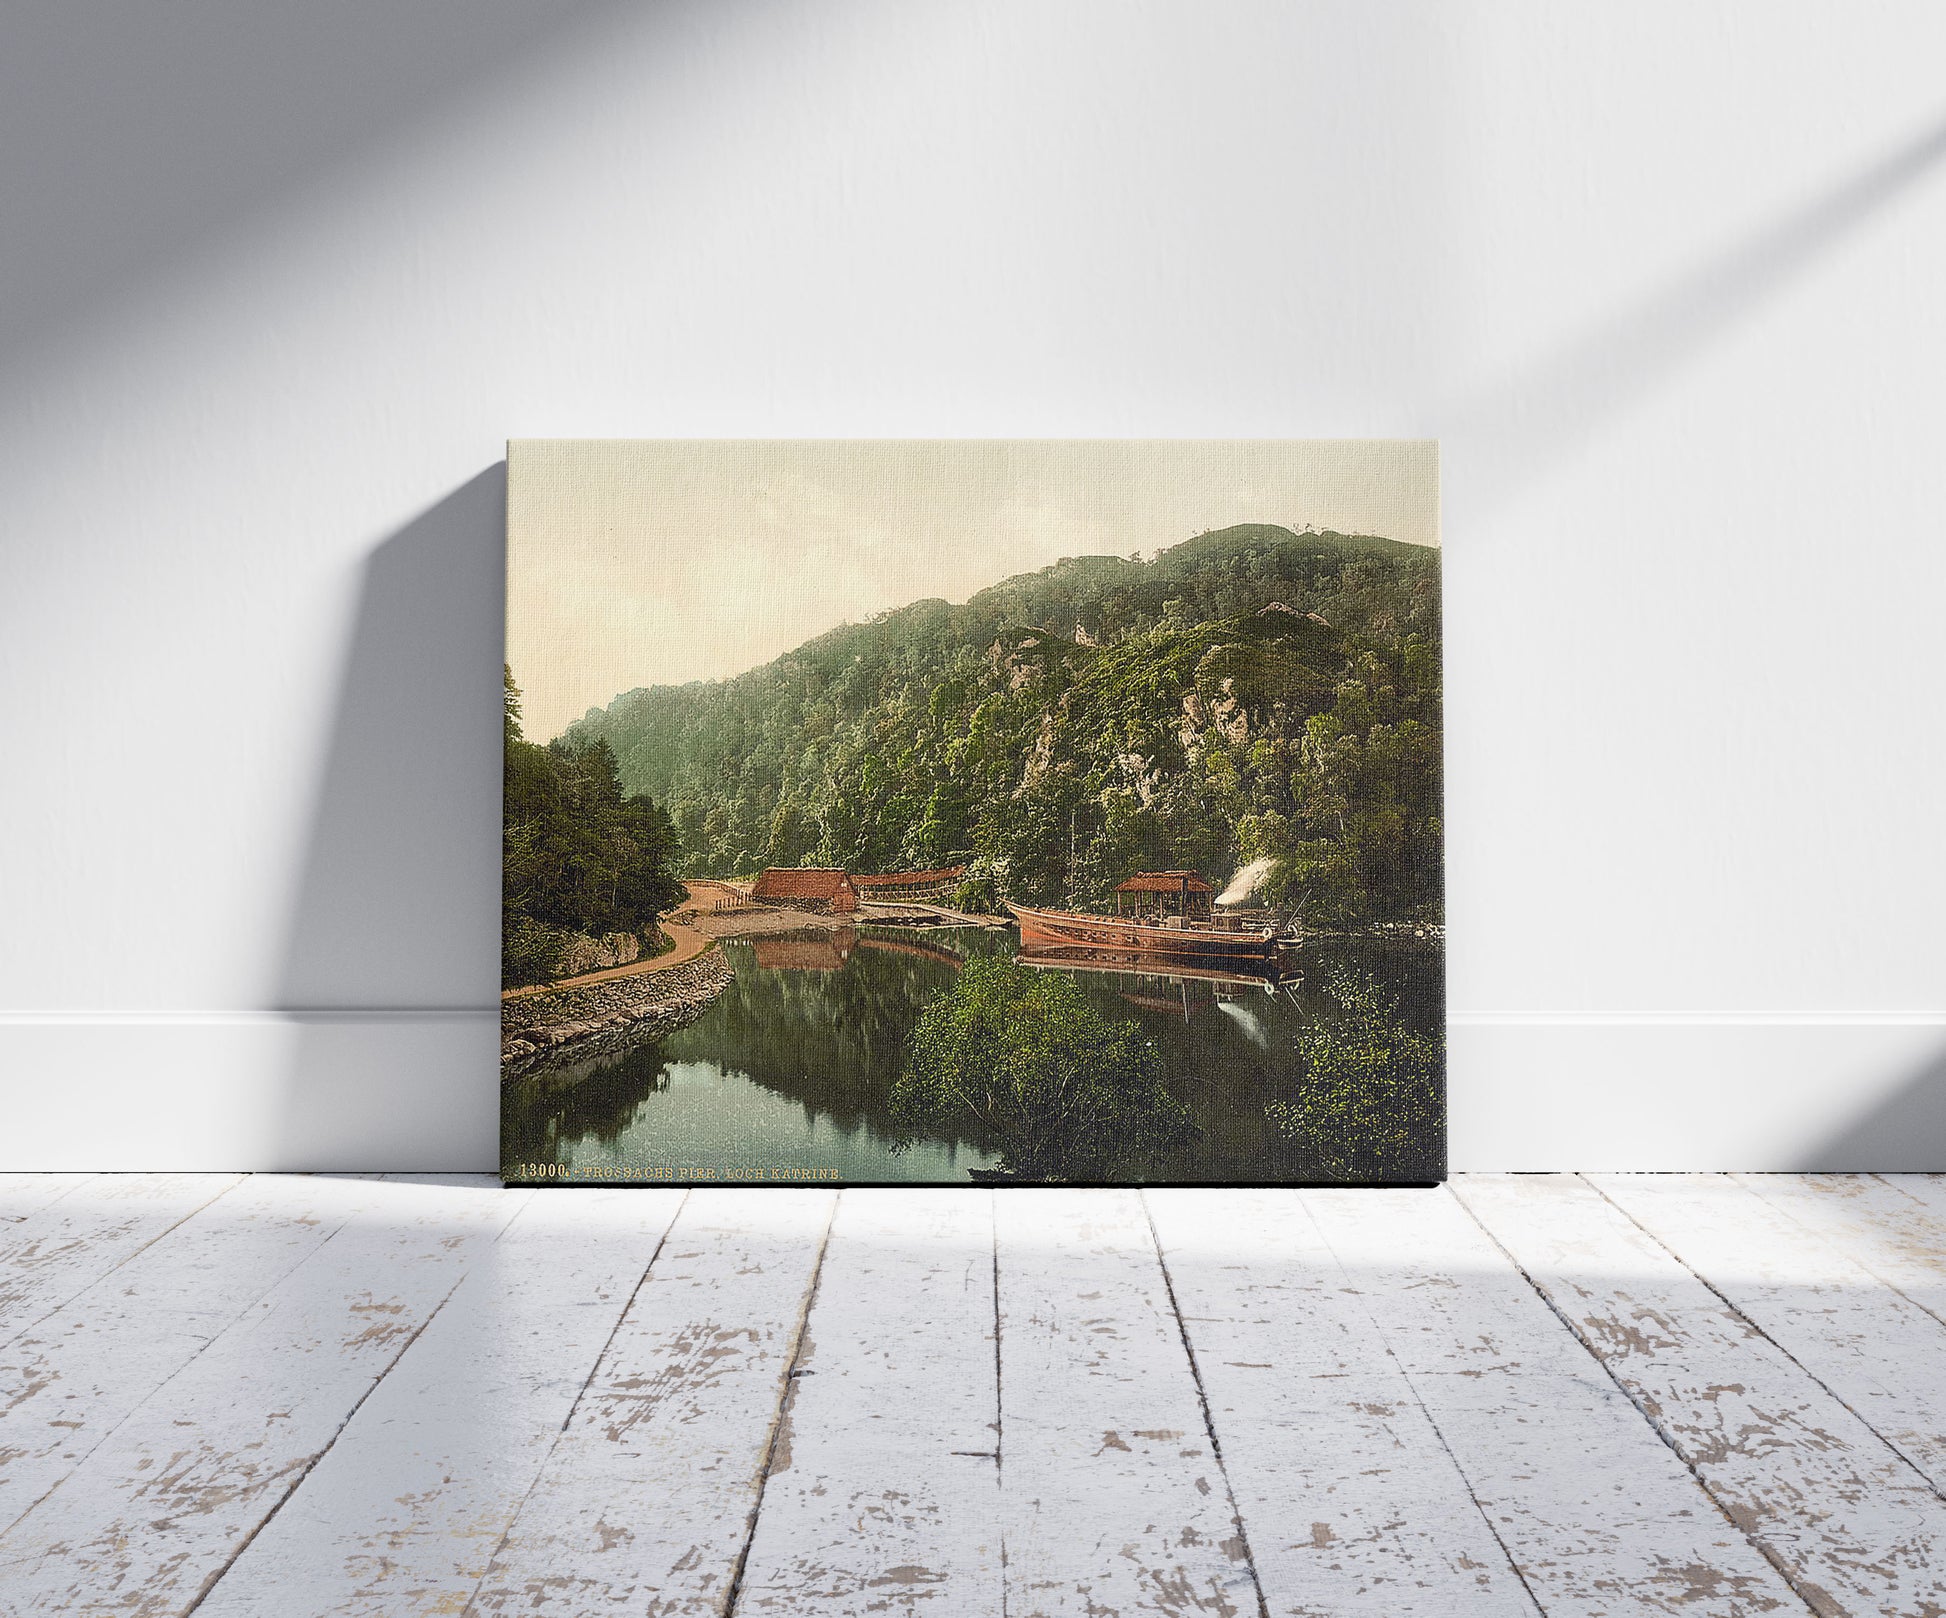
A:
{"x": 977, "y": 811}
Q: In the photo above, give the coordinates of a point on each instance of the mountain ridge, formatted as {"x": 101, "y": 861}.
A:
{"x": 1062, "y": 726}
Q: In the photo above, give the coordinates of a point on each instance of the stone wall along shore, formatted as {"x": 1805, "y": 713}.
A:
{"x": 626, "y": 1010}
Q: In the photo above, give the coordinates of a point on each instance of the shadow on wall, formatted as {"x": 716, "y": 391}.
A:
{"x": 1550, "y": 409}
{"x": 176, "y": 125}
{"x": 1906, "y": 1132}
{"x": 391, "y": 967}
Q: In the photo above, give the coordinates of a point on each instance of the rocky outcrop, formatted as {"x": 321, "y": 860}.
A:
{"x": 581, "y": 953}
{"x": 533, "y": 953}
{"x": 596, "y": 1016}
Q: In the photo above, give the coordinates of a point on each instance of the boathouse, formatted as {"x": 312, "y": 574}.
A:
{"x": 1164, "y": 893}
{"x": 901, "y": 885}
{"x": 806, "y": 888}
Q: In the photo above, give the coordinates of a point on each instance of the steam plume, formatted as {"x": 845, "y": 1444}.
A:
{"x": 1244, "y": 883}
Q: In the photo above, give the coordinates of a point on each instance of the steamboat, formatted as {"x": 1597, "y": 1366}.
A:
{"x": 1191, "y": 932}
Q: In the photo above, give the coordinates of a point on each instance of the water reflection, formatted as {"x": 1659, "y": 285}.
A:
{"x": 1163, "y": 983}
{"x": 817, "y": 951}
{"x": 792, "y": 1069}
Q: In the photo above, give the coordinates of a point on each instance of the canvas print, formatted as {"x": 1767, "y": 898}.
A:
{"x": 973, "y": 812}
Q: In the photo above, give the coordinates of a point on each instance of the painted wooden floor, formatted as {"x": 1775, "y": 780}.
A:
{"x": 1561, "y": 1395}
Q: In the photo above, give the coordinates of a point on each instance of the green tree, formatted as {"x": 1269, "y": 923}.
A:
{"x": 1373, "y": 1091}
{"x": 510, "y": 704}
{"x": 1025, "y": 1059}
{"x": 578, "y": 855}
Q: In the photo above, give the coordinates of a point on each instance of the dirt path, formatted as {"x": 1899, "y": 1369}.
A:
{"x": 689, "y": 944}
{"x": 704, "y": 928}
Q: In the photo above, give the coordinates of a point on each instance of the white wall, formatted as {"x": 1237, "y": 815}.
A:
{"x": 1664, "y": 278}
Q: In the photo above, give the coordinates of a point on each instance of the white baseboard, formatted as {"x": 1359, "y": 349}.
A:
{"x": 381, "y": 1090}
{"x": 250, "y": 1090}
{"x": 1730, "y": 1092}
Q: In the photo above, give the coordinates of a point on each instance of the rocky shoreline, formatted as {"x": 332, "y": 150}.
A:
{"x": 595, "y": 1017}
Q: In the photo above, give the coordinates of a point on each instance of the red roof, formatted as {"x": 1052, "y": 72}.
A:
{"x": 807, "y": 882}
{"x": 1164, "y": 882}
{"x": 910, "y": 879}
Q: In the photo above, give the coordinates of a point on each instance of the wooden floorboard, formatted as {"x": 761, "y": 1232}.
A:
{"x": 67, "y": 1382}
{"x": 158, "y": 1510}
{"x": 1597, "y": 1513}
{"x": 1874, "y": 1349}
{"x": 1527, "y": 1395}
{"x": 23, "y": 1194}
{"x": 647, "y": 1502}
{"x": 1894, "y": 1225}
{"x": 883, "y": 1491}
{"x": 1845, "y": 1516}
{"x": 406, "y": 1510}
{"x": 1351, "y": 1502}
{"x": 1113, "y": 1497}
{"x": 69, "y": 1242}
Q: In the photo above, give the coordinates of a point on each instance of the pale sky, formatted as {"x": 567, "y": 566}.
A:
{"x": 634, "y": 562}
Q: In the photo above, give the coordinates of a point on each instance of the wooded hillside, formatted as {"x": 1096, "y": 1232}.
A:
{"x": 1250, "y": 693}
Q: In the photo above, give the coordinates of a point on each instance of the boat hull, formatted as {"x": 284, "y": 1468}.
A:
{"x": 1072, "y": 929}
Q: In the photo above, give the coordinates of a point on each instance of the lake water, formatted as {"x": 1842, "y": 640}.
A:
{"x": 786, "y": 1078}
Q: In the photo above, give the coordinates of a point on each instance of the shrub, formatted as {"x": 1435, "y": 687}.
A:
{"x": 1068, "y": 1094}
{"x": 976, "y": 896}
{"x": 1373, "y": 1090}
{"x": 529, "y": 952}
